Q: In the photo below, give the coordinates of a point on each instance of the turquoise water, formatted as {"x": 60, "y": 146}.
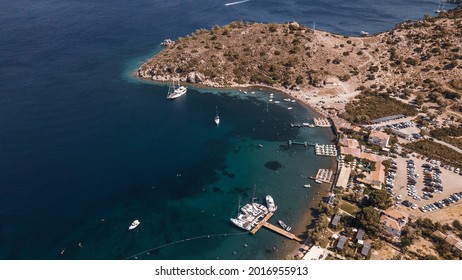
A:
{"x": 85, "y": 149}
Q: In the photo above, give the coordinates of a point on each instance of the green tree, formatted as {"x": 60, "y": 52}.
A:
{"x": 369, "y": 219}
{"x": 380, "y": 199}
{"x": 456, "y": 224}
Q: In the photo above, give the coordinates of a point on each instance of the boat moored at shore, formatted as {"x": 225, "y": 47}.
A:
{"x": 270, "y": 203}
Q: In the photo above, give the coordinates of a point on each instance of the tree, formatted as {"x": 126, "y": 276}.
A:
{"x": 419, "y": 100}
{"x": 456, "y": 224}
{"x": 380, "y": 199}
{"x": 369, "y": 219}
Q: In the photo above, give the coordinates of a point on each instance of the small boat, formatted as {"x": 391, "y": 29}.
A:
{"x": 175, "y": 91}
{"x": 134, "y": 224}
{"x": 284, "y": 226}
{"x": 217, "y": 118}
{"x": 318, "y": 181}
{"x": 307, "y": 186}
{"x": 364, "y": 33}
{"x": 289, "y": 108}
{"x": 260, "y": 146}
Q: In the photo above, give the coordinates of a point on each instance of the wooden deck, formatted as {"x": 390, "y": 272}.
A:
{"x": 261, "y": 223}
{"x": 264, "y": 223}
{"x": 282, "y": 232}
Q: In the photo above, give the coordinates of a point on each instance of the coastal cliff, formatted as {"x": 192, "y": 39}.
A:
{"x": 415, "y": 56}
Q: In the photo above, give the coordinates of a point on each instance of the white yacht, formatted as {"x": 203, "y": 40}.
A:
{"x": 284, "y": 226}
{"x": 307, "y": 186}
{"x": 364, "y": 33}
{"x": 241, "y": 224}
{"x": 175, "y": 91}
{"x": 270, "y": 203}
{"x": 134, "y": 224}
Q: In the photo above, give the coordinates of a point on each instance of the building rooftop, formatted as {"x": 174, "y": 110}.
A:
{"x": 389, "y": 222}
{"x": 395, "y": 214}
{"x": 379, "y": 135}
{"x": 343, "y": 177}
{"x": 452, "y": 239}
{"x": 366, "y": 248}
{"x": 385, "y": 119}
{"x": 360, "y": 234}
{"x": 335, "y": 220}
{"x": 351, "y": 143}
{"x": 315, "y": 253}
{"x": 341, "y": 242}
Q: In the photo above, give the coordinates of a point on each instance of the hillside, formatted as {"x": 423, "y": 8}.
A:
{"x": 415, "y": 57}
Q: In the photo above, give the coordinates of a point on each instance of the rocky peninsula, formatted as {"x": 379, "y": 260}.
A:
{"x": 416, "y": 57}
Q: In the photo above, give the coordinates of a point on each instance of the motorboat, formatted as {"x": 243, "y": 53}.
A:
{"x": 284, "y": 226}
{"x": 134, "y": 224}
{"x": 270, "y": 203}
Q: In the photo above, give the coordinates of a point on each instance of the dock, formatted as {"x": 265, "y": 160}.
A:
{"x": 300, "y": 125}
{"x": 282, "y": 232}
{"x": 264, "y": 223}
{"x": 302, "y": 143}
{"x": 261, "y": 223}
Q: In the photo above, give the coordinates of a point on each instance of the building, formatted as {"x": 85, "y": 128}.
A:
{"x": 378, "y": 138}
{"x": 315, "y": 253}
{"x": 450, "y": 238}
{"x": 341, "y": 242}
{"x": 393, "y": 221}
{"x": 360, "y": 235}
{"x": 335, "y": 221}
{"x": 386, "y": 119}
{"x": 343, "y": 177}
{"x": 347, "y": 142}
{"x": 366, "y": 248}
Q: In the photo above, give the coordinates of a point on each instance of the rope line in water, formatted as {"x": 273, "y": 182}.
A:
{"x": 184, "y": 240}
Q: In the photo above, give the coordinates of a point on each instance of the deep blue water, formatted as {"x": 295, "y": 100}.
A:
{"x": 85, "y": 149}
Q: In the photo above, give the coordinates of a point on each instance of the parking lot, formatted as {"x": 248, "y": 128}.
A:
{"x": 411, "y": 178}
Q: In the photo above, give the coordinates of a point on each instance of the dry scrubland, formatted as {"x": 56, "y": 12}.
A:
{"x": 417, "y": 58}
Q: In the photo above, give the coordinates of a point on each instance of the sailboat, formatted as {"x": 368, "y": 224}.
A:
{"x": 217, "y": 117}
{"x": 440, "y": 8}
{"x": 175, "y": 91}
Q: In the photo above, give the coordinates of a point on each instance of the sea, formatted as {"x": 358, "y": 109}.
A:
{"x": 86, "y": 148}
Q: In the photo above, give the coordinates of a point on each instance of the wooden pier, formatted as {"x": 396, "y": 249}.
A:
{"x": 261, "y": 223}
{"x": 264, "y": 223}
{"x": 282, "y": 232}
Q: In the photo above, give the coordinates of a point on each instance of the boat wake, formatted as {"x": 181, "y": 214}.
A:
{"x": 237, "y": 2}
